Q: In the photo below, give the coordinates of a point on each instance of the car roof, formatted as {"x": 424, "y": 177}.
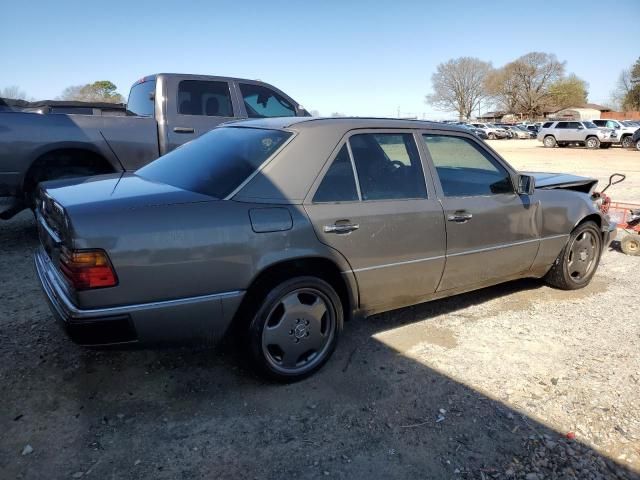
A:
{"x": 342, "y": 123}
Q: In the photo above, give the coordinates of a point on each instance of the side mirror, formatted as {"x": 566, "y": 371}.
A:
{"x": 526, "y": 185}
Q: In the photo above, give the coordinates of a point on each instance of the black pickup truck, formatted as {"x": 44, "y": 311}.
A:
{"x": 163, "y": 111}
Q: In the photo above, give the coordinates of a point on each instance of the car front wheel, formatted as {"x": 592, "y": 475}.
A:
{"x": 592, "y": 143}
{"x": 577, "y": 263}
{"x": 295, "y": 329}
{"x": 549, "y": 141}
{"x": 638, "y": 145}
{"x": 626, "y": 141}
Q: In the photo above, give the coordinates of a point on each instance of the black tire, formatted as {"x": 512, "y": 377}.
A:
{"x": 492, "y": 136}
{"x": 592, "y": 143}
{"x": 275, "y": 334}
{"x": 562, "y": 145}
{"x": 638, "y": 145}
{"x": 578, "y": 261}
{"x": 549, "y": 141}
{"x": 626, "y": 141}
{"x": 630, "y": 245}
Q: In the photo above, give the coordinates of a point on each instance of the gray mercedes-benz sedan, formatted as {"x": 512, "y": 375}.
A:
{"x": 278, "y": 230}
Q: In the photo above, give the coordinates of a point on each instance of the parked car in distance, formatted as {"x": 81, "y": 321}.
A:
{"x": 478, "y": 132}
{"x": 518, "y": 132}
{"x": 564, "y": 133}
{"x": 278, "y": 230}
{"x": 491, "y": 131}
{"x": 622, "y": 132}
{"x": 635, "y": 140}
{"x": 164, "y": 111}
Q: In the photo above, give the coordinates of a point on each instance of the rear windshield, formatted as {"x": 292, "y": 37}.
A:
{"x": 216, "y": 163}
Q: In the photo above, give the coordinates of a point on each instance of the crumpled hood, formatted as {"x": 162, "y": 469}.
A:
{"x": 564, "y": 181}
{"x": 118, "y": 191}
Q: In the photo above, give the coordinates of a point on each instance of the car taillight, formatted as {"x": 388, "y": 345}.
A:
{"x": 86, "y": 269}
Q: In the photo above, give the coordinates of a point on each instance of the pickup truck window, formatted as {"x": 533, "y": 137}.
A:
{"x": 216, "y": 163}
{"x": 262, "y": 102}
{"x": 141, "y": 99}
{"x": 198, "y": 97}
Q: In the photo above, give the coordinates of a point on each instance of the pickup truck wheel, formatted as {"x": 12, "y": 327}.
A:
{"x": 626, "y": 141}
{"x": 295, "y": 329}
{"x": 577, "y": 262}
{"x": 549, "y": 141}
{"x": 592, "y": 143}
{"x": 630, "y": 245}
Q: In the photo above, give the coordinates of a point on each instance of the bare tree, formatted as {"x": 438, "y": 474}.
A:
{"x": 13, "y": 92}
{"x": 622, "y": 88}
{"x": 458, "y": 85}
{"x": 526, "y": 85}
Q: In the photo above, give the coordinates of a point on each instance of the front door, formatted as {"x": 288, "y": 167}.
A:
{"x": 388, "y": 223}
{"x": 491, "y": 230}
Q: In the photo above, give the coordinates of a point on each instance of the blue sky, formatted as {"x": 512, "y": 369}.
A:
{"x": 354, "y": 57}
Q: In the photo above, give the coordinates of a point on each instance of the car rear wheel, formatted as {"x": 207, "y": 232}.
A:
{"x": 592, "y": 143}
{"x": 577, "y": 263}
{"x": 630, "y": 244}
{"x": 626, "y": 142}
{"x": 549, "y": 141}
{"x": 295, "y": 330}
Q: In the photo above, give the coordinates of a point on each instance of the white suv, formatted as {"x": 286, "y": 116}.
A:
{"x": 564, "y": 133}
{"x": 622, "y": 132}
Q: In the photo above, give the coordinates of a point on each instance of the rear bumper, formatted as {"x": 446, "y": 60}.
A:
{"x": 202, "y": 319}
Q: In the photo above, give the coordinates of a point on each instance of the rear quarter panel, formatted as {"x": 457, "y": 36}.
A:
{"x": 185, "y": 250}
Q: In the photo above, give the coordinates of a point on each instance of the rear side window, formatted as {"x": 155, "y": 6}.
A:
{"x": 547, "y": 125}
{"x": 262, "y": 102}
{"x": 600, "y": 123}
{"x": 142, "y": 99}
{"x": 198, "y": 97}
{"x": 216, "y": 163}
{"x": 339, "y": 183}
{"x": 465, "y": 169}
{"x": 388, "y": 166}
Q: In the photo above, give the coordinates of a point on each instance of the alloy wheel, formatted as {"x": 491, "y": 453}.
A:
{"x": 298, "y": 331}
{"x": 582, "y": 256}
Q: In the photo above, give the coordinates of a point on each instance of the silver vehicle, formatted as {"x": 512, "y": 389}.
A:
{"x": 164, "y": 111}
{"x": 564, "y": 133}
{"x": 622, "y": 131}
{"x": 518, "y": 132}
{"x": 492, "y": 131}
{"x": 276, "y": 231}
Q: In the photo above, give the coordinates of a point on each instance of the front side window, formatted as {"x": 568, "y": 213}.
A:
{"x": 262, "y": 102}
{"x": 339, "y": 183}
{"x": 388, "y": 166}
{"x": 465, "y": 169}
{"x": 573, "y": 125}
{"x": 142, "y": 99}
{"x": 199, "y": 97}
{"x": 216, "y": 163}
{"x": 589, "y": 125}
{"x": 611, "y": 124}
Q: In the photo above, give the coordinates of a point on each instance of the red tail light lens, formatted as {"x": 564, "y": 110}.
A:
{"x": 87, "y": 269}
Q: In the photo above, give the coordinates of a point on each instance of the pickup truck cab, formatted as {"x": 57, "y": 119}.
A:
{"x": 621, "y": 132}
{"x": 163, "y": 112}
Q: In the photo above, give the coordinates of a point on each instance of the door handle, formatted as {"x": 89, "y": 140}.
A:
{"x": 460, "y": 217}
{"x": 341, "y": 228}
{"x": 183, "y": 129}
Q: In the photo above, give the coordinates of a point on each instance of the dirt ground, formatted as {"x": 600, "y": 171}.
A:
{"x": 490, "y": 384}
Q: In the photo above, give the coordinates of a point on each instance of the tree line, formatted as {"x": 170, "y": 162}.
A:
{"x": 530, "y": 86}
{"x": 99, "y": 91}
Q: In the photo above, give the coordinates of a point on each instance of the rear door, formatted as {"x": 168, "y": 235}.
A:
{"x": 575, "y": 132}
{"x": 198, "y": 106}
{"x": 374, "y": 205}
{"x": 492, "y": 232}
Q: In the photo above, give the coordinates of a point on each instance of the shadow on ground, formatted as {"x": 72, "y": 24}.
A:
{"x": 186, "y": 414}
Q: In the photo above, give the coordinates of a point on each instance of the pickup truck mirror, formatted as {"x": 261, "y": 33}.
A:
{"x": 526, "y": 185}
